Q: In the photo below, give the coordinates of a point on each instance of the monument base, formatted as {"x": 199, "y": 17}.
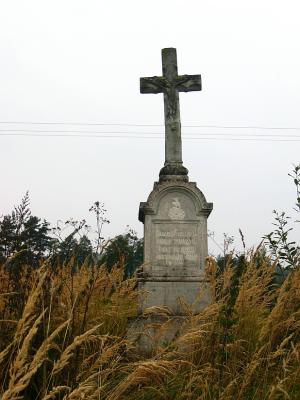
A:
{"x": 181, "y": 297}
{"x": 149, "y": 333}
{"x": 164, "y": 311}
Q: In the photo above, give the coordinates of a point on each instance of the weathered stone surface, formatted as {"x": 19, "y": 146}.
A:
{"x": 152, "y": 331}
{"x": 170, "y": 84}
{"x": 175, "y": 240}
{"x": 175, "y": 224}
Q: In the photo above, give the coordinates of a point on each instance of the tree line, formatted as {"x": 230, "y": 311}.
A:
{"x": 28, "y": 239}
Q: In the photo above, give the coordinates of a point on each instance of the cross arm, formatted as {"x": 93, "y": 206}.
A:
{"x": 188, "y": 83}
{"x": 153, "y": 84}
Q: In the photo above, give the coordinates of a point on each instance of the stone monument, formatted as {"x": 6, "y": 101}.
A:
{"x": 175, "y": 214}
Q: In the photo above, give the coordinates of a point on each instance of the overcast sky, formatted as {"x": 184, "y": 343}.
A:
{"x": 80, "y": 62}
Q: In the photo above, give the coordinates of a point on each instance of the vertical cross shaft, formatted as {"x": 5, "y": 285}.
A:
{"x": 173, "y": 145}
{"x": 170, "y": 84}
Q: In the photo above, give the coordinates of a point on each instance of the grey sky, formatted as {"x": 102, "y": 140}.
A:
{"x": 80, "y": 61}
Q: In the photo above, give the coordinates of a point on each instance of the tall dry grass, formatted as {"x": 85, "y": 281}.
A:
{"x": 63, "y": 336}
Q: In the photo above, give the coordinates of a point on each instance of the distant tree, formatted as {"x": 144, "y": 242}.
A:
{"x": 7, "y": 236}
{"x": 21, "y": 232}
{"x": 127, "y": 246}
{"x": 72, "y": 248}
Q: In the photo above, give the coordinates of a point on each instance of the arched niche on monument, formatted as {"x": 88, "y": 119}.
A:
{"x": 176, "y": 205}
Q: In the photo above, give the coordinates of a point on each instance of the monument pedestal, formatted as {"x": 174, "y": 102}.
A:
{"x": 175, "y": 246}
{"x": 175, "y": 249}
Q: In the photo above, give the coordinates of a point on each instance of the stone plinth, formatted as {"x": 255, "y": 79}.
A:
{"x": 151, "y": 332}
{"x": 175, "y": 247}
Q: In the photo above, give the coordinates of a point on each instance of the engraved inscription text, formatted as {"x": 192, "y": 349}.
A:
{"x": 176, "y": 245}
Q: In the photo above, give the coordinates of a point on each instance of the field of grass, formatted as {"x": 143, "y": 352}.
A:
{"x": 63, "y": 335}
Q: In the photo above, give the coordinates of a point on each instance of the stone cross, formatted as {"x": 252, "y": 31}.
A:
{"x": 175, "y": 227}
{"x": 170, "y": 84}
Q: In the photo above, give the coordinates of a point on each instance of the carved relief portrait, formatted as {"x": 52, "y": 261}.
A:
{"x": 175, "y": 211}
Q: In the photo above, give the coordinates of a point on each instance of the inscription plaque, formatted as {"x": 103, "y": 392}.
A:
{"x": 176, "y": 244}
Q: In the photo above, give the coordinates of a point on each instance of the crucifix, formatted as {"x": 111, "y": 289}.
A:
{"x": 170, "y": 84}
